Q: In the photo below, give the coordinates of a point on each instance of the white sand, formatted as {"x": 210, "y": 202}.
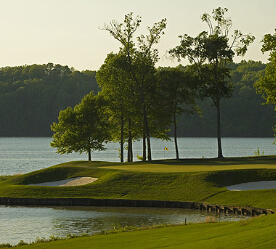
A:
{"x": 77, "y": 181}
{"x": 253, "y": 186}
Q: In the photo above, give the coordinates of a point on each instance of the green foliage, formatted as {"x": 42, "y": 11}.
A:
{"x": 140, "y": 59}
{"x": 31, "y": 96}
{"x": 258, "y": 153}
{"x": 22, "y": 243}
{"x": 5, "y": 245}
{"x": 82, "y": 129}
{"x": 118, "y": 90}
{"x": 243, "y": 113}
{"x": 40, "y": 102}
{"x": 267, "y": 83}
{"x": 178, "y": 94}
{"x": 209, "y": 53}
{"x": 178, "y": 88}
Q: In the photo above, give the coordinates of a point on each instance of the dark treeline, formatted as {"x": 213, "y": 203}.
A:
{"x": 32, "y": 96}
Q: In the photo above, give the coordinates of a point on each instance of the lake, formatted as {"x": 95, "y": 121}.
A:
{"x": 22, "y": 155}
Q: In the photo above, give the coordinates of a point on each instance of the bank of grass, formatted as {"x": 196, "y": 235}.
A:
{"x": 253, "y": 233}
{"x": 199, "y": 180}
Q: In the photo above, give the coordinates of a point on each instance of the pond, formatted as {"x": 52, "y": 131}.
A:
{"x": 29, "y": 223}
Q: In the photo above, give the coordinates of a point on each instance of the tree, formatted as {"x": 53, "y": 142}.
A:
{"x": 267, "y": 83}
{"x": 209, "y": 53}
{"x": 118, "y": 90}
{"x": 178, "y": 93}
{"x": 82, "y": 129}
{"x": 141, "y": 58}
{"x": 124, "y": 108}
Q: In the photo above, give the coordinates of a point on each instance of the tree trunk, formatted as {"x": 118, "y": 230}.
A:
{"x": 147, "y": 132}
{"x": 129, "y": 151}
{"x": 218, "y": 131}
{"x": 89, "y": 154}
{"x": 122, "y": 139}
{"x": 144, "y": 147}
{"x": 175, "y": 137}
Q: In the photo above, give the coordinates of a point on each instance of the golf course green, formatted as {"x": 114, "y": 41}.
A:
{"x": 195, "y": 180}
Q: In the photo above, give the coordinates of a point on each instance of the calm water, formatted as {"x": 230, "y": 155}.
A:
{"x": 22, "y": 155}
{"x": 44, "y": 222}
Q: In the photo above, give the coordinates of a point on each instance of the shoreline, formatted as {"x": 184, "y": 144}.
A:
{"x": 248, "y": 211}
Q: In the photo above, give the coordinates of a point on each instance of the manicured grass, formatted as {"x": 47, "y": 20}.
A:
{"x": 254, "y": 233}
{"x": 199, "y": 165}
{"x": 199, "y": 180}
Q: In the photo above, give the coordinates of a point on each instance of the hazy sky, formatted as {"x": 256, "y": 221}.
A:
{"x": 67, "y": 32}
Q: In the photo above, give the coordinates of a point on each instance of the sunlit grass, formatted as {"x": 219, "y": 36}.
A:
{"x": 254, "y": 233}
{"x": 199, "y": 165}
{"x": 198, "y": 180}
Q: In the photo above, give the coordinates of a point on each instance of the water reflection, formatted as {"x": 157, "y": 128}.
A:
{"x": 28, "y": 223}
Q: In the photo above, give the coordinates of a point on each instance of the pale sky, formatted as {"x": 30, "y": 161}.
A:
{"x": 67, "y": 32}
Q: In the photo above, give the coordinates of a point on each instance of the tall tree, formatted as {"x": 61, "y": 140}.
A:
{"x": 267, "y": 83}
{"x": 118, "y": 90}
{"x": 141, "y": 58}
{"x": 209, "y": 53}
{"x": 178, "y": 90}
{"x": 82, "y": 129}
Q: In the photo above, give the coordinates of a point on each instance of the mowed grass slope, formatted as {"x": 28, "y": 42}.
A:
{"x": 254, "y": 233}
{"x": 199, "y": 180}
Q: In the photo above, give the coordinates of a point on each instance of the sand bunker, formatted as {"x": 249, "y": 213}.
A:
{"x": 77, "y": 181}
{"x": 253, "y": 186}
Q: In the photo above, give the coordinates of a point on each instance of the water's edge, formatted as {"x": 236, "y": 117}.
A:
{"x": 248, "y": 211}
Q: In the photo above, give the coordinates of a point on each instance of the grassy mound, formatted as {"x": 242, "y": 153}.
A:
{"x": 199, "y": 180}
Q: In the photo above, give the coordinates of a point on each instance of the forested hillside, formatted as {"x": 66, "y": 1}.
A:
{"x": 242, "y": 115}
{"x": 32, "y": 96}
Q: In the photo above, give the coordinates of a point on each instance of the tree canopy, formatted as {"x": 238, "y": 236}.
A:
{"x": 209, "y": 52}
{"x": 178, "y": 91}
{"x": 123, "y": 108}
{"x": 140, "y": 60}
{"x": 82, "y": 129}
{"x": 267, "y": 83}
{"x": 31, "y": 96}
